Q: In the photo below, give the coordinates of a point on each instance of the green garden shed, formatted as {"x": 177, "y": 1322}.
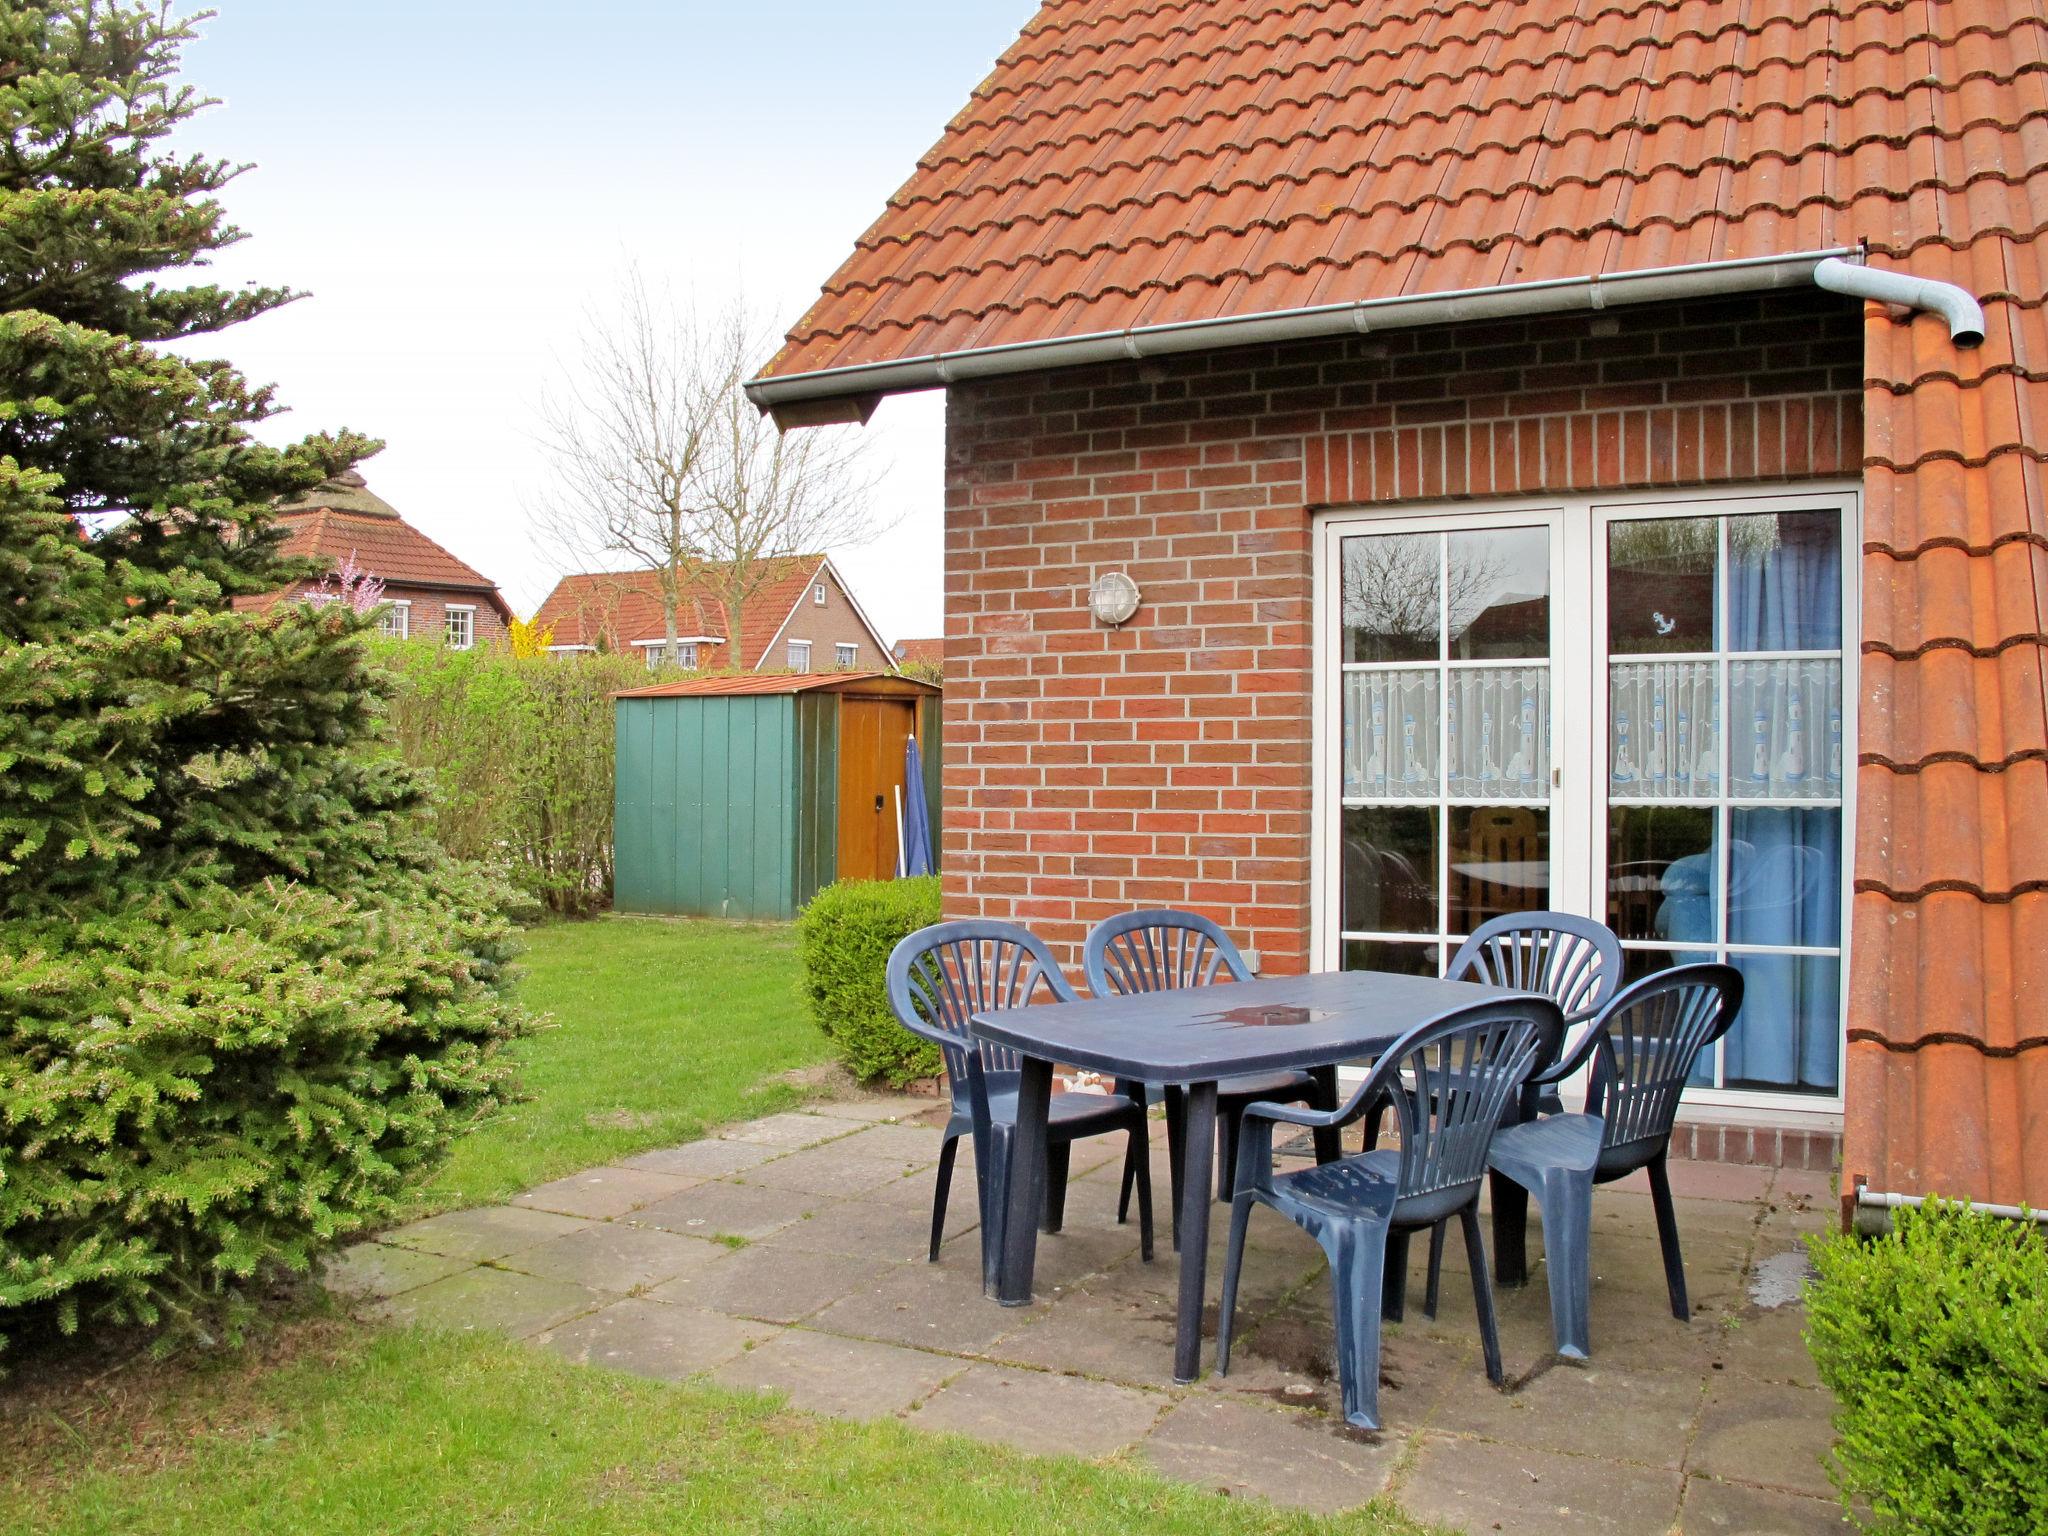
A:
{"x": 741, "y": 796}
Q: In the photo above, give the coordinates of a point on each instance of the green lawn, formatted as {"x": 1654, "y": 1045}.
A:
{"x": 661, "y": 1031}
{"x": 361, "y": 1431}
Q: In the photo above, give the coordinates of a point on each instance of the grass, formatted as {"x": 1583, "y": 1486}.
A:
{"x": 661, "y": 1030}
{"x": 333, "y": 1428}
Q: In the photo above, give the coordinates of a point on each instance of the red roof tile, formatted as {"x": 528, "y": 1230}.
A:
{"x": 342, "y": 518}
{"x": 621, "y": 607}
{"x": 922, "y": 652}
{"x": 1134, "y": 162}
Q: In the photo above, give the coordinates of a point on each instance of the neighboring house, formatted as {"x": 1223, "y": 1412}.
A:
{"x": 428, "y": 592}
{"x": 803, "y": 618}
{"x": 1521, "y": 518}
{"x": 921, "y": 653}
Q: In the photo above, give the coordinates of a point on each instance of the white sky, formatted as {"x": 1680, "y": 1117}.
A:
{"x": 454, "y": 181}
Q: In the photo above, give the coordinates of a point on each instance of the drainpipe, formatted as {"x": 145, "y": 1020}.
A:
{"x": 1964, "y": 315}
{"x": 849, "y": 393}
{"x": 1873, "y": 1210}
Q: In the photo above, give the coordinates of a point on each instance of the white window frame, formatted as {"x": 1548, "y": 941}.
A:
{"x": 845, "y": 655}
{"x": 818, "y": 594}
{"x": 1579, "y": 701}
{"x": 468, "y": 612}
{"x": 796, "y": 663}
{"x": 400, "y": 609}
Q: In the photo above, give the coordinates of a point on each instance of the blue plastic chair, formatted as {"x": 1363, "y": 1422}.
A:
{"x": 1572, "y": 960}
{"x": 1448, "y": 1082}
{"x": 938, "y": 979}
{"x": 1642, "y": 1048}
{"x": 1163, "y": 950}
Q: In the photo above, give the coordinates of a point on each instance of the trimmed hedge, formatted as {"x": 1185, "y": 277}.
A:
{"x": 1934, "y": 1340}
{"x": 843, "y": 941}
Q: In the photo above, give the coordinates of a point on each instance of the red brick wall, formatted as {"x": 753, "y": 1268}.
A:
{"x": 1089, "y": 770}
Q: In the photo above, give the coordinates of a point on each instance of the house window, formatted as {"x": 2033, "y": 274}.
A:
{"x": 686, "y": 653}
{"x": 845, "y": 655}
{"x": 818, "y": 594}
{"x": 1640, "y": 712}
{"x": 461, "y": 628}
{"x": 395, "y": 622}
{"x": 799, "y": 655}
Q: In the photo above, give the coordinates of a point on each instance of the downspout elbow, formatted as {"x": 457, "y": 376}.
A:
{"x": 1965, "y": 316}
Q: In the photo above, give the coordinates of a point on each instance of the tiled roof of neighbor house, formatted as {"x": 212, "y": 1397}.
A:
{"x": 625, "y": 606}
{"x": 343, "y": 517}
{"x": 926, "y": 652}
{"x": 789, "y": 682}
{"x": 1132, "y": 162}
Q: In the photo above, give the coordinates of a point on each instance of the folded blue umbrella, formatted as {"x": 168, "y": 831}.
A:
{"x": 917, "y": 829}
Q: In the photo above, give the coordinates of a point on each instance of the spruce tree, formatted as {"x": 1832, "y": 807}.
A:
{"x": 244, "y": 998}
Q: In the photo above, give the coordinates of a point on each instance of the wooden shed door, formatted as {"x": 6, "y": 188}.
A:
{"x": 871, "y": 733}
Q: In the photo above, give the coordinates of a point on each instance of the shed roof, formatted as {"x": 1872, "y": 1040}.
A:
{"x": 881, "y": 683}
{"x": 1139, "y": 162}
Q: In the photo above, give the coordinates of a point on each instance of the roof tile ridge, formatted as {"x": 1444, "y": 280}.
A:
{"x": 1952, "y": 643}
{"x": 1020, "y": 306}
{"x": 1073, "y": 102}
{"x": 482, "y": 581}
{"x": 908, "y": 198}
{"x": 1906, "y": 767}
{"x": 1633, "y": 125}
{"x": 1904, "y": 554}
{"x": 1995, "y": 896}
{"x": 1982, "y": 377}
{"x": 1862, "y": 1034}
{"x": 1097, "y": 19}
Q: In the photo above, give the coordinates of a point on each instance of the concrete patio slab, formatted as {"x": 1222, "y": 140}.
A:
{"x": 604, "y": 1193}
{"x": 1778, "y": 1437}
{"x": 709, "y": 1159}
{"x": 486, "y": 1233}
{"x": 726, "y": 1210}
{"x": 840, "y": 1377}
{"x": 648, "y": 1338}
{"x": 775, "y": 1285}
{"x": 1289, "y": 1458}
{"x": 378, "y": 1269}
{"x": 1473, "y": 1485}
{"x": 874, "y": 1108}
{"x": 495, "y": 1300}
{"x": 1729, "y": 1509}
{"x": 1044, "y": 1414}
{"x": 789, "y": 1255}
{"x": 618, "y": 1258}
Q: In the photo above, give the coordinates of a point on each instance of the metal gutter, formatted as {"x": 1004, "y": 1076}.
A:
{"x": 1551, "y": 296}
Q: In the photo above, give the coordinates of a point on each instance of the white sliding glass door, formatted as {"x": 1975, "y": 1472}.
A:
{"x": 1639, "y": 711}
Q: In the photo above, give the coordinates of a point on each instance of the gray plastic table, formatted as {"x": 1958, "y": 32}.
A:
{"x": 1195, "y": 1036}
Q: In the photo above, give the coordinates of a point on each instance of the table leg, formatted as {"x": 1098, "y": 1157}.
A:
{"x": 1329, "y": 1140}
{"x": 1026, "y": 1184}
{"x": 1199, "y": 1134}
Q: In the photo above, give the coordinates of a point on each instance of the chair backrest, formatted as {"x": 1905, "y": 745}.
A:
{"x": 1571, "y": 959}
{"x": 1449, "y": 1081}
{"x": 1159, "y": 951}
{"x": 1643, "y": 1048}
{"x": 940, "y": 977}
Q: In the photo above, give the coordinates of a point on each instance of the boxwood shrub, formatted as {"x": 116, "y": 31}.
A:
{"x": 1934, "y": 1341}
{"x": 843, "y": 940}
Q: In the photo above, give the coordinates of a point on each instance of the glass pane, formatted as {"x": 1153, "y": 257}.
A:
{"x": 1500, "y": 862}
{"x": 1785, "y": 877}
{"x": 1387, "y": 955}
{"x": 1788, "y": 1036}
{"x": 1663, "y": 729}
{"x": 1785, "y": 582}
{"x": 1390, "y": 734}
{"x": 1789, "y": 715}
{"x": 1498, "y": 723}
{"x": 1661, "y": 873}
{"x": 1638, "y": 963}
{"x": 1660, "y": 584}
{"x": 1393, "y": 597}
{"x": 1390, "y": 869}
{"x": 1497, "y": 590}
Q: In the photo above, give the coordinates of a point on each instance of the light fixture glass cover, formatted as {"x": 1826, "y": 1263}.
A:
{"x": 1114, "y": 597}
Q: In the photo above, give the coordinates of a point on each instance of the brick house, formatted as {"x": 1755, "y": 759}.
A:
{"x": 1531, "y": 504}
{"x": 428, "y": 592}
{"x": 803, "y": 618}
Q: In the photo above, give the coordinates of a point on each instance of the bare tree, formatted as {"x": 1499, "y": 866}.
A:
{"x": 659, "y": 458}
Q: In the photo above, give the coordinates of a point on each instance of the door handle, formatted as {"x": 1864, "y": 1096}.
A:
{"x": 878, "y": 803}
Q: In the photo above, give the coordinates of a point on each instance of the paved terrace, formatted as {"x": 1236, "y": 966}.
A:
{"x": 788, "y": 1255}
